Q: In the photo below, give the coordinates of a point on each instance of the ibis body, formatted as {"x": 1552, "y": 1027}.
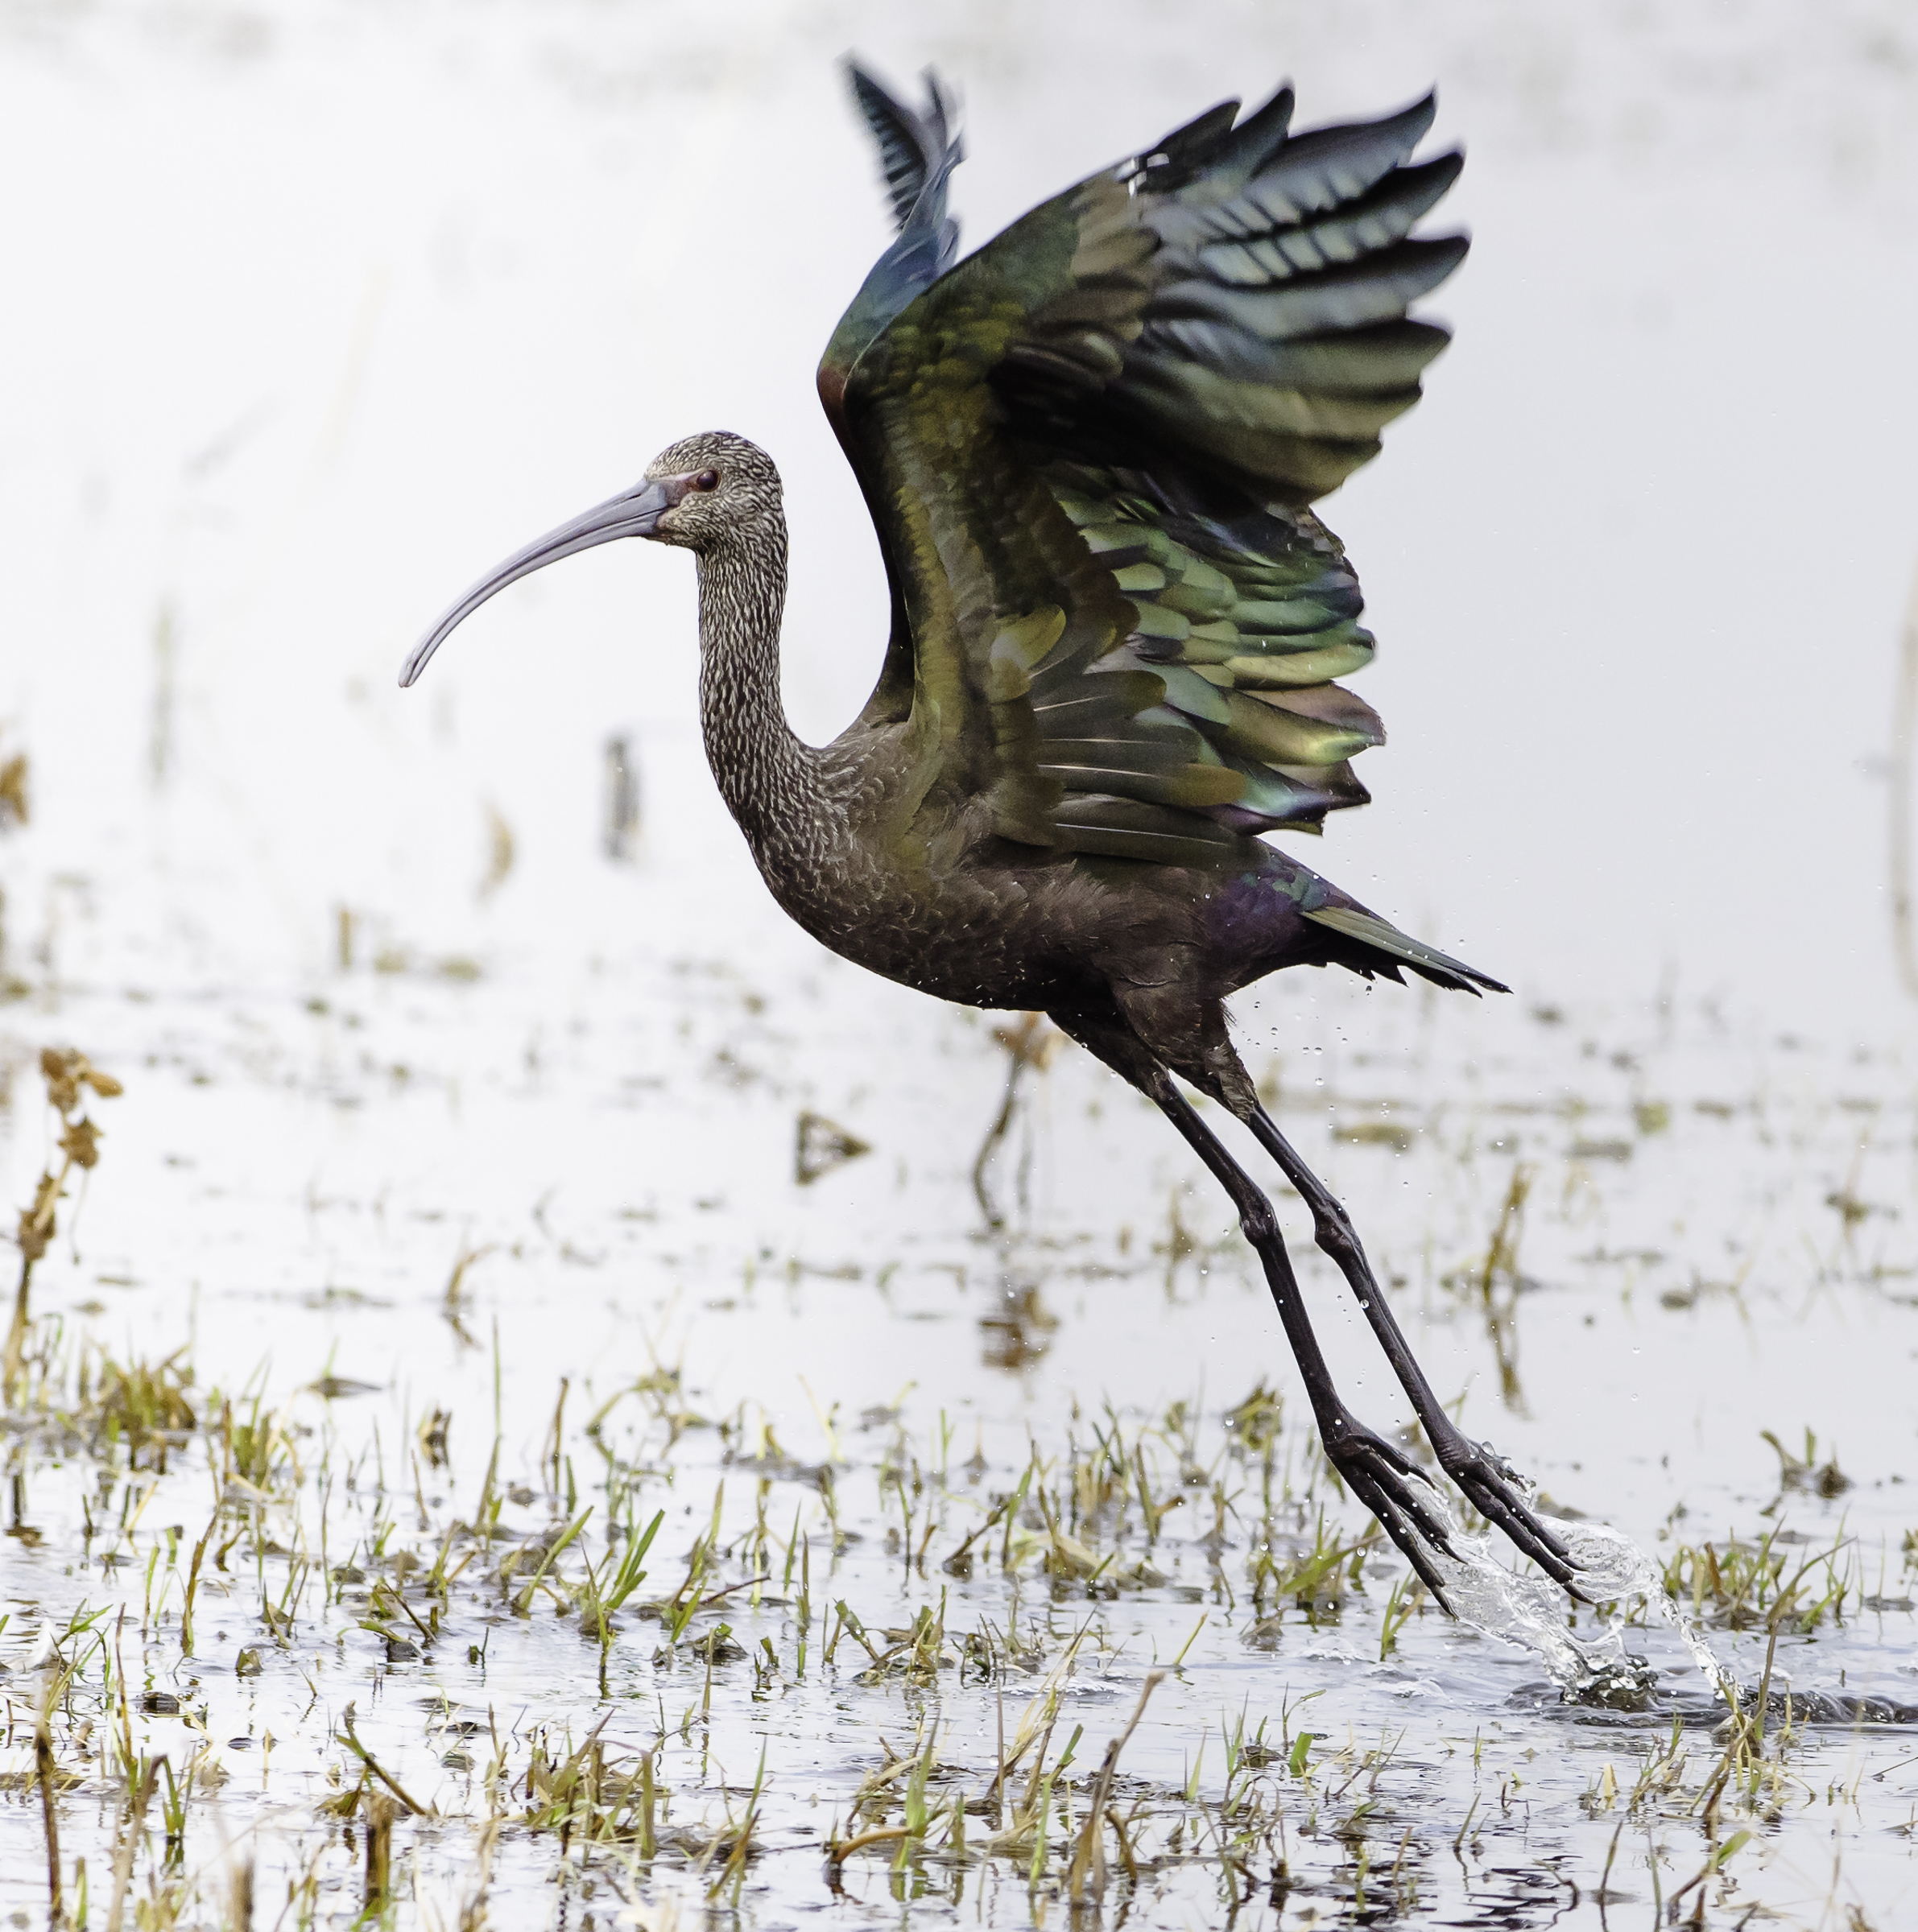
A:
{"x": 1090, "y": 452}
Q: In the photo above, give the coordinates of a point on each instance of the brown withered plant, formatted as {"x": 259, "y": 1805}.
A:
{"x": 69, "y": 1075}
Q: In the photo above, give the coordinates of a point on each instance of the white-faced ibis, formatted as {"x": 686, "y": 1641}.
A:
{"x": 1090, "y": 451}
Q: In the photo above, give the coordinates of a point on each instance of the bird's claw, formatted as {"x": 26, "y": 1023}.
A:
{"x": 1492, "y": 1486}
{"x": 1390, "y": 1484}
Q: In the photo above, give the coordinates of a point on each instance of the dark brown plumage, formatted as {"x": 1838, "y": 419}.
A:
{"x": 1090, "y": 451}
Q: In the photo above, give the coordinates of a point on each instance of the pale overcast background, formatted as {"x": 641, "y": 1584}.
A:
{"x": 315, "y": 311}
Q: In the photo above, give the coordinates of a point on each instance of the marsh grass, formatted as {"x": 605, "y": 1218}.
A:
{"x": 1741, "y": 1585}
{"x": 317, "y": 1539}
{"x": 1065, "y": 1522}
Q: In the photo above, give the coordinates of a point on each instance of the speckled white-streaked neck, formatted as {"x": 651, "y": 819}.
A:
{"x": 771, "y": 779}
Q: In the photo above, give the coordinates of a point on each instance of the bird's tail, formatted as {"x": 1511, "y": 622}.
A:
{"x": 1371, "y": 936}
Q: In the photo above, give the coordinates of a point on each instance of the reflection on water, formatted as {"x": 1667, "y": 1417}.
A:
{"x": 1019, "y": 1331}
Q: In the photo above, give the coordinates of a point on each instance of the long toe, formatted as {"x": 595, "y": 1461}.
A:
{"x": 1396, "y": 1491}
{"x": 1405, "y": 1537}
{"x": 1492, "y": 1492}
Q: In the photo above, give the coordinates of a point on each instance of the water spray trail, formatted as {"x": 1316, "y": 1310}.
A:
{"x": 1527, "y": 1610}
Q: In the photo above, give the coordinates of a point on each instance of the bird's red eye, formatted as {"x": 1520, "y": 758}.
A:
{"x": 707, "y": 479}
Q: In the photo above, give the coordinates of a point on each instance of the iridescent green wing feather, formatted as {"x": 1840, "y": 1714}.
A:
{"x": 1090, "y": 449}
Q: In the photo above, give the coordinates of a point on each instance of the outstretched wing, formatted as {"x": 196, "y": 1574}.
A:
{"x": 1090, "y": 449}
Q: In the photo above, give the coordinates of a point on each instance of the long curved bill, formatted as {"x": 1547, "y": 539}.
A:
{"x": 634, "y": 513}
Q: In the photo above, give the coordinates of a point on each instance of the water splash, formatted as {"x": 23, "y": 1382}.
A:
{"x": 1527, "y": 1609}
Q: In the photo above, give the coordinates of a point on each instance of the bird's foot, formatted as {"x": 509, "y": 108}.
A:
{"x": 1396, "y": 1491}
{"x": 1489, "y": 1484}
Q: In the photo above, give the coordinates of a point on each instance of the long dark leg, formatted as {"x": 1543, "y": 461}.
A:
{"x": 1482, "y": 1475}
{"x": 1377, "y": 1473}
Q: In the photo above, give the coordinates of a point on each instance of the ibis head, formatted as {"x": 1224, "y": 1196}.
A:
{"x": 703, "y": 494}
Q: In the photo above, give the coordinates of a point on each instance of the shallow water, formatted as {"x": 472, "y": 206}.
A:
{"x": 278, "y": 1197}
